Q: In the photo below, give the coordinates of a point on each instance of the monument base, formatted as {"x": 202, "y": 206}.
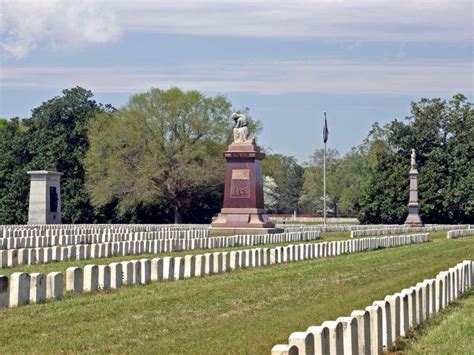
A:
{"x": 414, "y": 224}
{"x": 227, "y": 231}
{"x": 413, "y": 218}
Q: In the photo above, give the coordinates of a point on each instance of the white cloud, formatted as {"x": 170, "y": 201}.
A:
{"x": 260, "y": 77}
{"x": 59, "y": 24}
{"x": 400, "y": 20}
{"x": 69, "y": 24}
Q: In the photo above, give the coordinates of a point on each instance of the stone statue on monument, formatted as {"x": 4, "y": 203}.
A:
{"x": 413, "y": 158}
{"x": 241, "y": 130}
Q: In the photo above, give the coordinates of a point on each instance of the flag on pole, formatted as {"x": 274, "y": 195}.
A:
{"x": 325, "y": 129}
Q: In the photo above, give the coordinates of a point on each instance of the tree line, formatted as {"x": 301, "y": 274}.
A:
{"x": 159, "y": 159}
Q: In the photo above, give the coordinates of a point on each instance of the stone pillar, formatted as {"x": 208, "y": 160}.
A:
{"x": 413, "y": 218}
{"x": 45, "y": 197}
{"x": 243, "y": 211}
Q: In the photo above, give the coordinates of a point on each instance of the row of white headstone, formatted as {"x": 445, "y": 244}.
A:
{"x": 101, "y": 229}
{"x": 18, "y": 290}
{"x": 314, "y": 219}
{"x": 378, "y": 327}
{"x": 459, "y": 233}
{"x": 62, "y": 240}
{"x": 400, "y": 230}
{"x": 31, "y": 256}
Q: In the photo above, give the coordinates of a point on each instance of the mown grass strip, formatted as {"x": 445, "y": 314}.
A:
{"x": 245, "y": 311}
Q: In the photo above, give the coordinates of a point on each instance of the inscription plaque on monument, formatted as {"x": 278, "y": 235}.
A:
{"x": 240, "y": 183}
{"x": 243, "y": 210}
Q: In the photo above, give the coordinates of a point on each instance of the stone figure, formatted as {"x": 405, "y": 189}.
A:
{"x": 413, "y": 158}
{"x": 241, "y": 130}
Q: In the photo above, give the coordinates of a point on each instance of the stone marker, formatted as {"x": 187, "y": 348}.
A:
{"x": 127, "y": 273}
{"x": 116, "y": 275}
{"x": 145, "y": 271}
{"x": 363, "y": 324}
{"x": 189, "y": 266}
{"x": 200, "y": 264}
{"x": 404, "y": 315}
{"x": 74, "y": 279}
{"x": 394, "y": 302}
{"x": 386, "y": 323}
{"x": 178, "y": 268}
{"x": 321, "y": 339}
{"x": 37, "y": 287}
{"x": 156, "y": 269}
{"x": 283, "y": 349}
{"x": 91, "y": 278}
{"x": 104, "y": 277}
{"x": 4, "y": 291}
{"x": 19, "y": 289}
{"x": 137, "y": 272}
{"x": 304, "y": 341}
{"x": 376, "y": 329}
{"x": 350, "y": 334}
{"x": 54, "y": 285}
{"x": 336, "y": 342}
{"x": 168, "y": 268}
{"x": 411, "y": 298}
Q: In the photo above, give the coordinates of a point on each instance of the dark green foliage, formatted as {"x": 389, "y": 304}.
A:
{"x": 443, "y": 135}
{"x": 54, "y": 138}
{"x": 13, "y": 178}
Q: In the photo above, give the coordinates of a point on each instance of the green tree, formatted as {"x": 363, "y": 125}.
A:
{"x": 165, "y": 147}
{"x": 288, "y": 177}
{"x": 312, "y": 195}
{"x": 54, "y": 138}
{"x": 13, "y": 178}
{"x": 441, "y": 132}
{"x": 345, "y": 180}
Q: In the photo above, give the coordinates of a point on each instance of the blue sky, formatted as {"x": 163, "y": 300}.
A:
{"x": 288, "y": 61}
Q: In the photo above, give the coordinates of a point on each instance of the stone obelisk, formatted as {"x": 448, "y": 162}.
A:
{"x": 243, "y": 211}
{"x": 413, "y": 218}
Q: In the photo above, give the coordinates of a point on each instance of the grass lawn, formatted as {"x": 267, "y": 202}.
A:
{"x": 449, "y": 332}
{"x": 245, "y": 311}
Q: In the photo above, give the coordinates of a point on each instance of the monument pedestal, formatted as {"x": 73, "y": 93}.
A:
{"x": 243, "y": 211}
{"x": 413, "y": 218}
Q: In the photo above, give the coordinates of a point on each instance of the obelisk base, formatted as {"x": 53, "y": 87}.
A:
{"x": 413, "y": 218}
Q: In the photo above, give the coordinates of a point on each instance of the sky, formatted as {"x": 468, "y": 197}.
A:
{"x": 287, "y": 61}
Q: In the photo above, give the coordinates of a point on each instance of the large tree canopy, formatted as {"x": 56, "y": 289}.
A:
{"x": 442, "y": 134}
{"x": 54, "y": 138}
{"x": 164, "y": 147}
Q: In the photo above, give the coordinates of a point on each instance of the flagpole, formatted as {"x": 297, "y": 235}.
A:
{"x": 324, "y": 174}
